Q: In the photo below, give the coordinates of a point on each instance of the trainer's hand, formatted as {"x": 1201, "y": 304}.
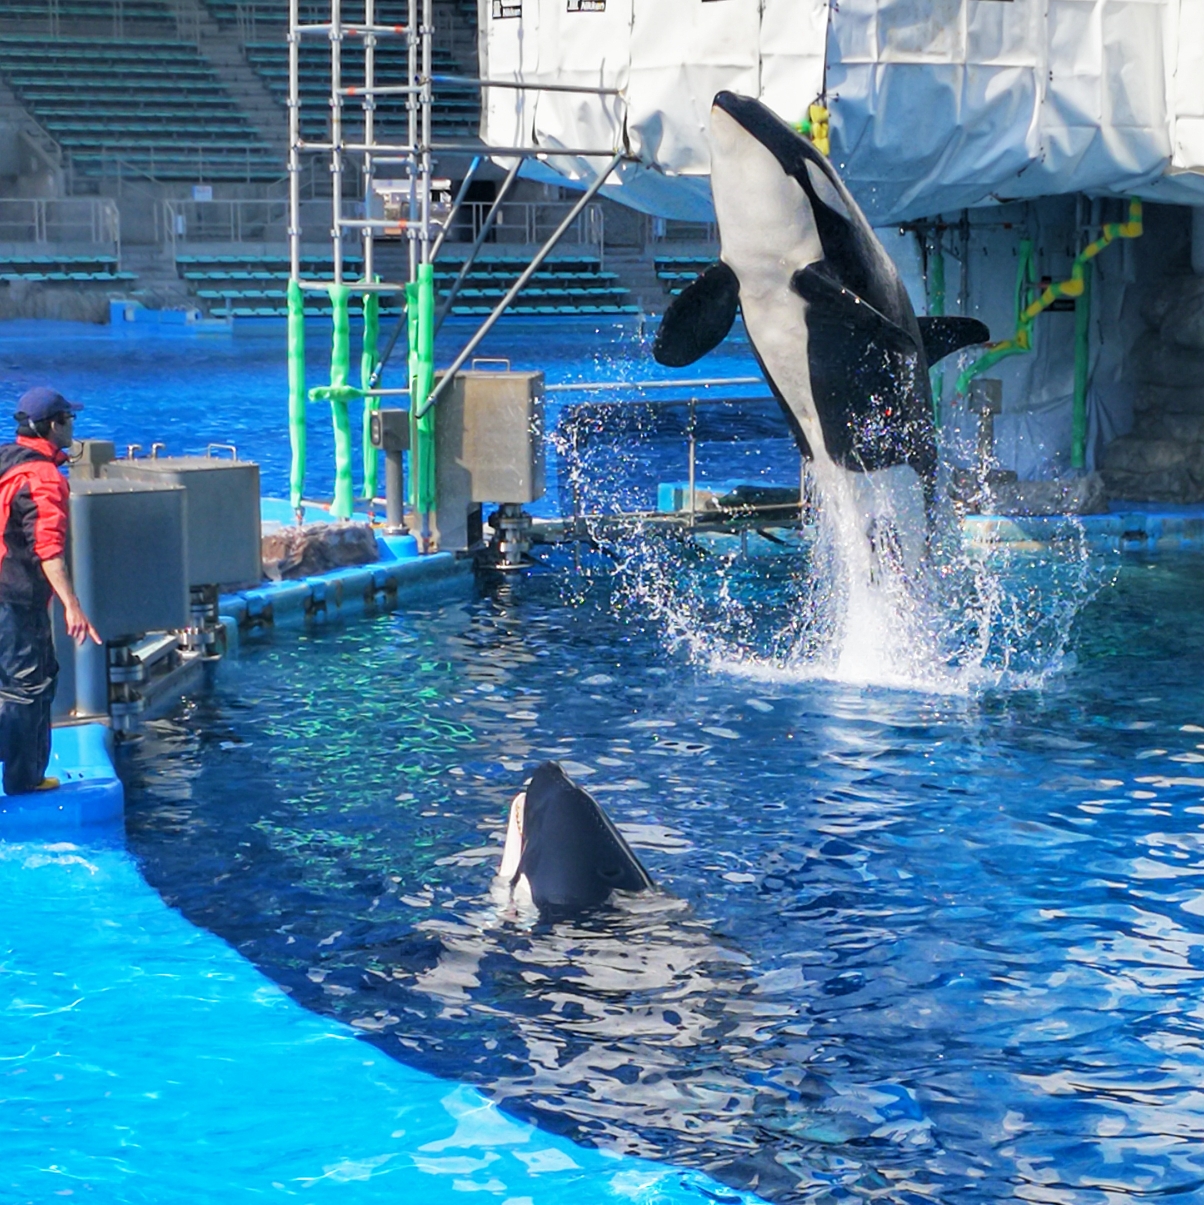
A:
{"x": 79, "y": 626}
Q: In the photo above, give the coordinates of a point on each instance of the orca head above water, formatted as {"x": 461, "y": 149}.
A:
{"x": 824, "y": 307}
{"x": 564, "y": 849}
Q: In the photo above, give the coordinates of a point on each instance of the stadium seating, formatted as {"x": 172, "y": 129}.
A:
{"x": 456, "y": 110}
{"x": 140, "y": 12}
{"x": 156, "y": 106}
{"x": 64, "y": 269}
{"x": 255, "y": 285}
{"x": 677, "y": 271}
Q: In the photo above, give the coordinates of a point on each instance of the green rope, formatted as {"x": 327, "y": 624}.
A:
{"x": 1082, "y": 364}
{"x": 368, "y": 362}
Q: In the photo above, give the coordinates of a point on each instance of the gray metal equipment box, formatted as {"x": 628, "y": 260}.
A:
{"x": 89, "y": 457}
{"x": 223, "y": 513}
{"x": 501, "y": 440}
{"x": 129, "y": 553}
{"x": 488, "y": 448}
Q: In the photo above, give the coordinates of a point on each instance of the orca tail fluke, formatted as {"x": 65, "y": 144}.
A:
{"x": 943, "y": 336}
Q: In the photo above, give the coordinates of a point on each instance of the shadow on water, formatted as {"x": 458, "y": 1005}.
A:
{"x": 909, "y": 946}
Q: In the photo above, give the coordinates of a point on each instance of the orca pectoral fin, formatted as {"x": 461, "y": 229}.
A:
{"x": 843, "y": 306}
{"x": 943, "y": 336}
{"x": 699, "y": 318}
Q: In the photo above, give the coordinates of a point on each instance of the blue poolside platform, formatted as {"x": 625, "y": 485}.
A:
{"x": 91, "y": 793}
{"x": 235, "y": 1091}
{"x": 400, "y": 573}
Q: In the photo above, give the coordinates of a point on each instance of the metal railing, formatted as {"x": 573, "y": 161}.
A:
{"x": 673, "y": 230}
{"x": 200, "y": 161}
{"x": 531, "y": 222}
{"x": 93, "y": 221}
{"x": 238, "y": 221}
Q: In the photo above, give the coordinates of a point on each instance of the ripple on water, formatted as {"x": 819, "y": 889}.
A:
{"x": 907, "y": 945}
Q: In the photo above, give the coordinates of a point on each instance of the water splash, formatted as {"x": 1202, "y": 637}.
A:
{"x": 860, "y": 595}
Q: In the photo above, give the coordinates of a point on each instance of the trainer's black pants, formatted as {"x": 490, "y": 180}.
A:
{"x": 28, "y": 671}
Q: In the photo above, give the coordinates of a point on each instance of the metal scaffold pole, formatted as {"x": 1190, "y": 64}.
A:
{"x": 296, "y": 299}
{"x": 365, "y": 146}
{"x": 371, "y": 302}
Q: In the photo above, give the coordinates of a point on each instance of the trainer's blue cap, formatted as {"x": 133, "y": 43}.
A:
{"x": 43, "y": 402}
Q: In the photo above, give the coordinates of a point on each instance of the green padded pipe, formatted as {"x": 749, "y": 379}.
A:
{"x": 412, "y": 376}
{"x": 340, "y": 365}
{"x": 1082, "y": 340}
{"x": 296, "y": 393}
{"x": 1077, "y": 284}
{"x": 420, "y": 324}
{"x": 368, "y": 361}
{"x": 421, "y": 388}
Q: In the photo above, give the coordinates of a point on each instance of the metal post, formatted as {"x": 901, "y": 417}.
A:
{"x": 294, "y": 140}
{"x": 369, "y": 107}
{"x": 428, "y": 29}
{"x": 412, "y": 133}
{"x": 693, "y": 445}
{"x": 336, "y": 136}
{"x": 394, "y": 489}
{"x": 515, "y": 288}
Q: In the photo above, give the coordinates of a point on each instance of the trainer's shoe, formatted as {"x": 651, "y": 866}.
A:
{"x": 48, "y": 784}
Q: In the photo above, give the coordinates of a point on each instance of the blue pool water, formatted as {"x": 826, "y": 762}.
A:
{"x": 910, "y": 944}
{"x": 190, "y": 390}
{"x": 910, "y": 947}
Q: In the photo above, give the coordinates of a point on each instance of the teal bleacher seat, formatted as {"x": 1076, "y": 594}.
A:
{"x": 573, "y": 285}
{"x": 157, "y": 106}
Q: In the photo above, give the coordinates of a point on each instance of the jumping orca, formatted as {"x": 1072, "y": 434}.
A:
{"x": 828, "y": 317}
{"x": 564, "y": 849}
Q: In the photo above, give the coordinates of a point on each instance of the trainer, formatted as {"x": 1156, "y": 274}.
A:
{"x": 33, "y": 540}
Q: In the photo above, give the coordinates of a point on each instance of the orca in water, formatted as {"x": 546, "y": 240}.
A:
{"x": 564, "y": 850}
{"x": 827, "y": 315}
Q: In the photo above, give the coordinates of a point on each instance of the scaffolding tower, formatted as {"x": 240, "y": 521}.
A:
{"x": 365, "y": 152}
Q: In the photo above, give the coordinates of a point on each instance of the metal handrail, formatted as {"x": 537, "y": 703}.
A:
{"x": 530, "y": 222}
{"x": 204, "y": 154}
{"x": 693, "y": 383}
{"x": 44, "y": 220}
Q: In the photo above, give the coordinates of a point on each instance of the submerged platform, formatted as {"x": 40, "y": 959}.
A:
{"x": 1126, "y": 527}
{"x": 148, "y": 1060}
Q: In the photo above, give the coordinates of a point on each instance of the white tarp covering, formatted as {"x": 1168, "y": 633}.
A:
{"x": 936, "y": 104}
{"x": 668, "y": 57}
{"x": 1187, "y": 91}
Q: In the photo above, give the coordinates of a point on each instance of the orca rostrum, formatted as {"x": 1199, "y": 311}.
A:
{"x": 564, "y": 850}
{"x": 828, "y": 317}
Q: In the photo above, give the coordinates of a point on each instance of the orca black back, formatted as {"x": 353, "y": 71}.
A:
{"x": 573, "y": 856}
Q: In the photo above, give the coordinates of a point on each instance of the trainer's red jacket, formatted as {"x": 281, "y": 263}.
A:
{"x": 33, "y": 518}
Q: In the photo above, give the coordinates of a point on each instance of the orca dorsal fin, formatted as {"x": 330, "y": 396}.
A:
{"x": 699, "y": 318}
{"x": 844, "y": 306}
{"x": 943, "y": 336}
